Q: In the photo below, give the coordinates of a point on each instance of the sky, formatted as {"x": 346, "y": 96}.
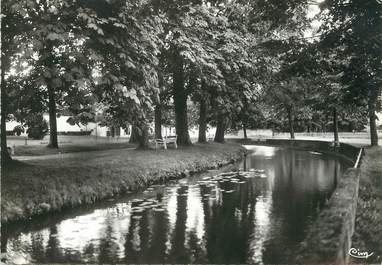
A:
{"x": 313, "y": 10}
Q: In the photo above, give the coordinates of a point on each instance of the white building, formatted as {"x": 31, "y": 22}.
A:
{"x": 63, "y": 127}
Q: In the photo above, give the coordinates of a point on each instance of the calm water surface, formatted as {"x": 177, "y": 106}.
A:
{"x": 255, "y": 217}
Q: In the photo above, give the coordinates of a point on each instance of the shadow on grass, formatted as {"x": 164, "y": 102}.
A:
{"x": 12, "y": 165}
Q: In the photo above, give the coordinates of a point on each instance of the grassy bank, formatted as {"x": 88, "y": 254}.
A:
{"x": 43, "y": 185}
{"x": 368, "y": 232}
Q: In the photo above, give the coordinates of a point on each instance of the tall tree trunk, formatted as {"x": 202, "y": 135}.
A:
{"x": 245, "y": 131}
{"x": 134, "y": 135}
{"x": 202, "y": 122}
{"x": 158, "y": 121}
{"x": 49, "y": 65}
{"x": 220, "y": 128}
{"x": 290, "y": 121}
{"x": 180, "y": 101}
{"x": 335, "y": 125}
{"x": 373, "y": 95}
{"x": 5, "y": 157}
{"x": 143, "y": 137}
{"x": 53, "y": 142}
{"x": 5, "y": 64}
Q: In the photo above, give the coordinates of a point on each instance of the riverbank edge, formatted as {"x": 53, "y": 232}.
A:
{"x": 138, "y": 182}
{"x": 368, "y": 234}
{"x": 329, "y": 238}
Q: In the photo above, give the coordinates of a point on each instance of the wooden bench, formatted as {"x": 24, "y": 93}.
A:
{"x": 165, "y": 141}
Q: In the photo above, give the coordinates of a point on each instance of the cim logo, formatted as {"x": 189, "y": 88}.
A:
{"x": 356, "y": 253}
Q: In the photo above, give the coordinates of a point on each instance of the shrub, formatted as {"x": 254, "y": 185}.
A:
{"x": 37, "y": 127}
{"x": 18, "y": 130}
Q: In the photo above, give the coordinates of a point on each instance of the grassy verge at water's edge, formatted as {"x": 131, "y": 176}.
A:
{"x": 368, "y": 232}
{"x": 42, "y": 185}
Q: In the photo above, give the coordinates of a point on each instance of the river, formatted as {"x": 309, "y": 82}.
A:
{"x": 259, "y": 215}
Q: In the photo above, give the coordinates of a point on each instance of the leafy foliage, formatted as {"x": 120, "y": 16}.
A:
{"x": 248, "y": 62}
{"x": 37, "y": 127}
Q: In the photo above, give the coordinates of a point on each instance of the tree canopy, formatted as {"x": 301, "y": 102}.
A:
{"x": 241, "y": 64}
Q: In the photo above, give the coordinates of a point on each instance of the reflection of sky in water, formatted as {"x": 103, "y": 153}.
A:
{"x": 195, "y": 214}
{"x": 258, "y": 217}
{"x": 171, "y": 206}
{"x": 261, "y": 222}
{"x": 266, "y": 151}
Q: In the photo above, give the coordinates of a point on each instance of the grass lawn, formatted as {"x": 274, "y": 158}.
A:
{"x": 368, "y": 228}
{"x": 42, "y": 185}
{"x": 38, "y": 150}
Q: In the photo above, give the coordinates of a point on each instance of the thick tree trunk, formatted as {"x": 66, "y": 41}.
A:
{"x": 143, "y": 137}
{"x": 134, "y": 135}
{"x": 373, "y": 117}
{"x": 290, "y": 121}
{"x": 202, "y": 122}
{"x": 5, "y": 64}
{"x": 245, "y": 131}
{"x": 53, "y": 142}
{"x": 335, "y": 125}
{"x": 49, "y": 64}
{"x": 220, "y": 128}
{"x": 5, "y": 157}
{"x": 158, "y": 121}
{"x": 180, "y": 101}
